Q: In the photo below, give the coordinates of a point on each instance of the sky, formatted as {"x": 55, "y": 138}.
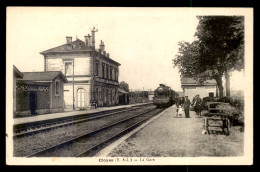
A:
{"x": 143, "y": 40}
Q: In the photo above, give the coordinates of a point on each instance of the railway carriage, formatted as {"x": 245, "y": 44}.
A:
{"x": 164, "y": 96}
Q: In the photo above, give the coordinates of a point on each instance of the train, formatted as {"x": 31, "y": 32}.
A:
{"x": 164, "y": 96}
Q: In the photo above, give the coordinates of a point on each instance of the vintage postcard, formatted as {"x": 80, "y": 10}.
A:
{"x": 129, "y": 86}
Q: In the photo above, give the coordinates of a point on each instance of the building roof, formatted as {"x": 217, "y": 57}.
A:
{"x": 75, "y": 46}
{"x": 43, "y": 76}
{"x": 191, "y": 81}
{"x": 17, "y": 73}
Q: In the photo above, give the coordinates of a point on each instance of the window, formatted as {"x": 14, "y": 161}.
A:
{"x": 111, "y": 69}
{"x": 211, "y": 94}
{"x": 103, "y": 70}
{"x": 100, "y": 95}
{"x": 97, "y": 68}
{"x": 68, "y": 68}
{"x": 57, "y": 88}
{"x": 107, "y": 71}
{"x": 103, "y": 95}
{"x": 116, "y": 74}
{"x": 81, "y": 98}
{"x": 96, "y": 94}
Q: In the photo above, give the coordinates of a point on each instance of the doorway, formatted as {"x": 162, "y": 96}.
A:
{"x": 211, "y": 94}
{"x": 33, "y": 102}
{"x": 81, "y": 98}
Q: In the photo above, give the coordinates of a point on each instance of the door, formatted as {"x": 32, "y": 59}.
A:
{"x": 111, "y": 96}
{"x": 81, "y": 98}
{"x": 107, "y": 101}
{"x": 211, "y": 94}
{"x": 33, "y": 102}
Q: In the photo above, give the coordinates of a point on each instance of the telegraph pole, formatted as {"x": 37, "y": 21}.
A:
{"x": 92, "y": 85}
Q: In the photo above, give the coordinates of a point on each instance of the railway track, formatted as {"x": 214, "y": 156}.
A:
{"x": 35, "y": 127}
{"x": 87, "y": 144}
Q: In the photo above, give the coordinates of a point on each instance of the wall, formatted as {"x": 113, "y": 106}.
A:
{"x": 203, "y": 91}
{"x": 68, "y": 95}
{"x": 23, "y": 99}
{"x": 43, "y": 101}
{"x": 57, "y": 100}
{"x": 81, "y": 63}
{"x": 83, "y": 70}
{"x": 82, "y": 73}
{"x": 106, "y": 99}
{"x": 105, "y": 84}
{"x": 103, "y": 60}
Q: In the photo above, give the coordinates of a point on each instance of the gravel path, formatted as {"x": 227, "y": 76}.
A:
{"x": 179, "y": 137}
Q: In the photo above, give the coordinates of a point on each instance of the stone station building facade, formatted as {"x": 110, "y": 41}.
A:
{"x": 92, "y": 75}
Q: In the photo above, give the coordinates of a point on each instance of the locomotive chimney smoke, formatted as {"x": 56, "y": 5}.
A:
{"x": 68, "y": 39}
{"x": 87, "y": 40}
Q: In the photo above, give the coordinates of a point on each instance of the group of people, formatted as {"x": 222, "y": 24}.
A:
{"x": 185, "y": 104}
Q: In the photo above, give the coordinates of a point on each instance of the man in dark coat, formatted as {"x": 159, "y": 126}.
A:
{"x": 186, "y": 106}
{"x": 179, "y": 102}
{"x": 198, "y": 105}
{"x": 193, "y": 100}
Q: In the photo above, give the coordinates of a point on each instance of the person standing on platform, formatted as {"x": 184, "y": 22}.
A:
{"x": 186, "y": 106}
{"x": 197, "y": 105}
{"x": 179, "y": 104}
{"x": 194, "y": 100}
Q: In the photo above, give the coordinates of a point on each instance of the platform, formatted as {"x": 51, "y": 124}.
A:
{"x": 168, "y": 136}
{"x": 70, "y": 113}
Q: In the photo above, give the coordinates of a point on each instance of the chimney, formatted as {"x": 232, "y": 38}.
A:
{"x": 102, "y": 46}
{"x": 87, "y": 40}
{"x": 68, "y": 39}
{"x": 93, "y": 36}
{"x": 104, "y": 52}
{"x": 108, "y": 55}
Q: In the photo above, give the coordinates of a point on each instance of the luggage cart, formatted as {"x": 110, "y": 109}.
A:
{"x": 216, "y": 118}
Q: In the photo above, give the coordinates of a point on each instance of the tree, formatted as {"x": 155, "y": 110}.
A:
{"x": 218, "y": 50}
{"x": 124, "y": 86}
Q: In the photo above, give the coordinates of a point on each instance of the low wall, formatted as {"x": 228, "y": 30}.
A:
{"x": 38, "y": 112}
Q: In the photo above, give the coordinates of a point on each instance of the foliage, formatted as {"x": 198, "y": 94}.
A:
{"x": 221, "y": 41}
{"x": 219, "y": 49}
{"x": 235, "y": 114}
{"x": 124, "y": 86}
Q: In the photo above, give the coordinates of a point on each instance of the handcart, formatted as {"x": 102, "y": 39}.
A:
{"x": 216, "y": 118}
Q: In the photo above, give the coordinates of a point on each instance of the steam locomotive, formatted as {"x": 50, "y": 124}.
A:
{"x": 164, "y": 96}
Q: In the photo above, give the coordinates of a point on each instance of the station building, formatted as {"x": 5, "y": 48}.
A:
{"x": 92, "y": 75}
{"x": 16, "y": 75}
{"x": 123, "y": 97}
{"x": 191, "y": 88}
{"x": 38, "y": 93}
